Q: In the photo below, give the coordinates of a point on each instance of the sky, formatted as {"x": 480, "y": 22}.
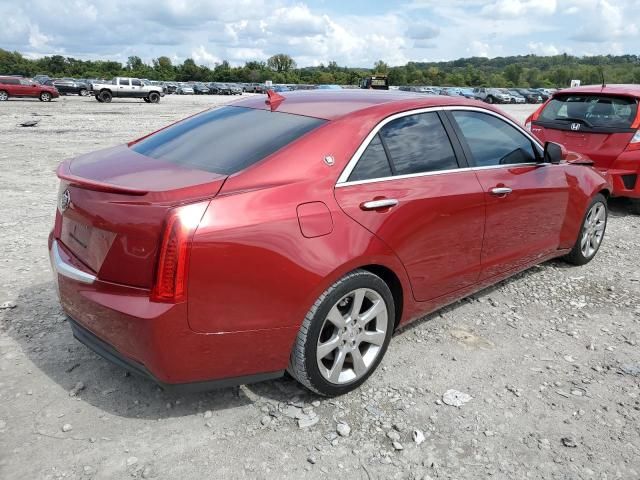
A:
{"x": 355, "y": 33}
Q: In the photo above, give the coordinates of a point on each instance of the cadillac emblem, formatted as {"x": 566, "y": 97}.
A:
{"x": 64, "y": 201}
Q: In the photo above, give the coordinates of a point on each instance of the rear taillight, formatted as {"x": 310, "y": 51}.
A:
{"x": 173, "y": 263}
{"x": 634, "y": 144}
{"x": 534, "y": 116}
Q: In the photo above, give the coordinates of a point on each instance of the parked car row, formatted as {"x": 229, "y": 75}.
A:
{"x": 485, "y": 94}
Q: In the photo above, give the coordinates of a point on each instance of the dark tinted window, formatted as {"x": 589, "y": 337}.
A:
{"x": 10, "y": 81}
{"x": 226, "y": 140}
{"x": 124, "y": 82}
{"x": 591, "y": 111}
{"x": 136, "y": 83}
{"x": 373, "y": 163}
{"x": 418, "y": 143}
{"x": 493, "y": 141}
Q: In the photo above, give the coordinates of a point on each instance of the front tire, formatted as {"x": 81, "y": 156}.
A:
{"x": 344, "y": 335}
{"x": 4, "y": 96}
{"x": 594, "y": 225}
{"x": 154, "y": 97}
{"x": 490, "y": 100}
{"x": 45, "y": 97}
{"x": 83, "y": 92}
{"x": 146, "y": 100}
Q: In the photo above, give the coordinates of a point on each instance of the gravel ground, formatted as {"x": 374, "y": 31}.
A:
{"x": 547, "y": 363}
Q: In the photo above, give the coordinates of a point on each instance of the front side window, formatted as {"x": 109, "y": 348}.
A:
{"x": 136, "y": 83}
{"x": 493, "y": 141}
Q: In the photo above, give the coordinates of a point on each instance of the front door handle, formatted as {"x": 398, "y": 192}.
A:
{"x": 379, "y": 204}
{"x": 501, "y": 191}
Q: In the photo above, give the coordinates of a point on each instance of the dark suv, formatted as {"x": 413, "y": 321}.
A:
{"x": 25, "y": 87}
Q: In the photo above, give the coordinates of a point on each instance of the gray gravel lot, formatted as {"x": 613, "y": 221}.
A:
{"x": 549, "y": 358}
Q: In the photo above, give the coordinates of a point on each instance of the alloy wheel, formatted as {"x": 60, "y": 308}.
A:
{"x": 4, "y": 96}
{"x": 593, "y": 229}
{"x": 352, "y": 336}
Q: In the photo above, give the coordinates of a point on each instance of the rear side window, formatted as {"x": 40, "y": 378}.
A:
{"x": 226, "y": 140}
{"x": 373, "y": 163}
{"x": 493, "y": 141}
{"x": 418, "y": 143}
{"x": 407, "y": 145}
{"x": 10, "y": 81}
{"x": 591, "y": 111}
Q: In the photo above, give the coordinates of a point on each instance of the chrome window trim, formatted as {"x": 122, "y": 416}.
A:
{"x": 348, "y": 169}
{"x": 60, "y": 266}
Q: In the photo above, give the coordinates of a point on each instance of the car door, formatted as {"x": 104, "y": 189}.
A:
{"x": 406, "y": 186}
{"x": 526, "y": 199}
{"x": 136, "y": 88}
{"x": 124, "y": 87}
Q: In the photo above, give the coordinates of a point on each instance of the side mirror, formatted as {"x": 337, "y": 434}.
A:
{"x": 554, "y": 153}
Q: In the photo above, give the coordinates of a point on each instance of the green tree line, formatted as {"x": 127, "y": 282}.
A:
{"x": 524, "y": 70}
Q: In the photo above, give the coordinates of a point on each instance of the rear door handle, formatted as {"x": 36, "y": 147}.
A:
{"x": 501, "y": 191}
{"x": 379, "y": 204}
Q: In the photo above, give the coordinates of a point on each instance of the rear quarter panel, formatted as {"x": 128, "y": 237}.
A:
{"x": 251, "y": 266}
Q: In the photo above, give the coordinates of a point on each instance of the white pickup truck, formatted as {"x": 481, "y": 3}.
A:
{"x": 125, "y": 87}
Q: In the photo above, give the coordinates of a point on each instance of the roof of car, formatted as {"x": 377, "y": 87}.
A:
{"x": 614, "y": 89}
{"x": 333, "y": 104}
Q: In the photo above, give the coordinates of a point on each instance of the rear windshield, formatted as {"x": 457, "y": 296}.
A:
{"x": 591, "y": 111}
{"x": 226, "y": 140}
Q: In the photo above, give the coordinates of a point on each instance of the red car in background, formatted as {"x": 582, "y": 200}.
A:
{"x": 602, "y": 123}
{"x": 25, "y": 88}
{"x": 298, "y": 233}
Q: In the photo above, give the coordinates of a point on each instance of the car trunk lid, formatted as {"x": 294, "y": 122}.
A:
{"x": 112, "y": 209}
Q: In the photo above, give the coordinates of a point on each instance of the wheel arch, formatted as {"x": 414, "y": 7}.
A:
{"x": 392, "y": 280}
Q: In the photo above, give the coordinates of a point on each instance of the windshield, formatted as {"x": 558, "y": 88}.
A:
{"x": 592, "y": 111}
{"x": 226, "y": 140}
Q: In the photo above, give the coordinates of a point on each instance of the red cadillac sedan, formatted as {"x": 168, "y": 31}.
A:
{"x": 601, "y": 122}
{"x": 297, "y": 234}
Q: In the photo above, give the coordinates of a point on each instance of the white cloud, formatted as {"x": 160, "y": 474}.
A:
{"x": 318, "y": 32}
{"x": 541, "y": 48}
{"x": 202, "y": 57}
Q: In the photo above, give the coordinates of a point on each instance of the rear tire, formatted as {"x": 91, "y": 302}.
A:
{"x": 594, "y": 225}
{"x": 83, "y": 92}
{"x": 634, "y": 206}
{"x": 45, "y": 97}
{"x": 490, "y": 100}
{"x": 4, "y": 96}
{"x": 105, "y": 96}
{"x": 339, "y": 345}
{"x": 154, "y": 97}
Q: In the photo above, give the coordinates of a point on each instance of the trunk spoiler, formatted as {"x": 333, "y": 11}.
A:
{"x": 65, "y": 174}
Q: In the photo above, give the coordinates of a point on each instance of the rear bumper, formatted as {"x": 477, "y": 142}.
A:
{"x": 624, "y": 174}
{"x": 154, "y": 340}
{"x": 109, "y": 353}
